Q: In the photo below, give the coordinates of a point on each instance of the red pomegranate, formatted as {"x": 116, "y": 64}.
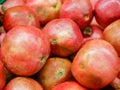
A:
{"x": 25, "y": 50}
{"x": 96, "y": 64}
{"x": 64, "y": 36}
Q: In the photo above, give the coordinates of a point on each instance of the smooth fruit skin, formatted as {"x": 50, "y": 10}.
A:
{"x": 2, "y": 76}
{"x": 96, "y": 64}
{"x": 25, "y": 50}
{"x": 56, "y": 70}
{"x": 112, "y": 35}
{"x": 19, "y": 15}
{"x": 23, "y": 83}
{"x": 69, "y": 85}
{"x": 64, "y": 36}
{"x": 107, "y": 11}
{"x": 78, "y": 10}
{"x": 46, "y": 10}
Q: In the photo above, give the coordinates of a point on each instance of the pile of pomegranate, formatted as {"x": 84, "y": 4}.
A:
{"x": 60, "y": 45}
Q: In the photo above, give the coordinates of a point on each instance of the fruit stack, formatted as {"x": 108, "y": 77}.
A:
{"x": 60, "y": 45}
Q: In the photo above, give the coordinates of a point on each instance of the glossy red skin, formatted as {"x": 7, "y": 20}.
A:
{"x": 46, "y": 10}
{"x": 64, "y": 35}
{"x": 96, "y": 33}
{"x": 19, "y": 15}
{"x": 78, "y": 10}
{"x": 11, "y": 3}
{"x": 112, "y": 35}
{"x": 69, "y": 85}
{"x": 97, "y": 63}
{"x": 25, "y": 50}
{"x": 2, "y": 76}
{"x": 56, "y": 70}
{"x": 107, "y": 11}
{"x": 23, "y": 83}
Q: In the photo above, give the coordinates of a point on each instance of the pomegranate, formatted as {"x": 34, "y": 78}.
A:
{"x": 56, "y": 70}
{"x": 64, "y": 36}
{"x": 96, "y": 64}
{"x": 25, "y": 50}
{"x": 46, "y": 10}
{"x": 19, "y": 15}
{"x": 107, "y": 11}
{"x": 78, "y": 10}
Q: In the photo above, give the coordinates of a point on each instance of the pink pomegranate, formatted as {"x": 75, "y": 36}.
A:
{"x": 25, "y": 50}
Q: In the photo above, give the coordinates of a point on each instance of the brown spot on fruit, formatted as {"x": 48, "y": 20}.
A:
{"x": 56, "y": 6}
{"x": 82, "y": 66}
{"x": 60, "y": 73}
{"x": 54, "y": 41}
{"x": 41, "y": 12}
{"x": 31, "y": 17}
{"x": 43, "y": 60}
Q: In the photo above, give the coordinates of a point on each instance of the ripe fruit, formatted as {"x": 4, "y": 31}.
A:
{"x": 78, "y": 10}
{"x": 55, "y": 71}
{"x": 96, "y": 64}
{"x": 25, "y": 50}
{"x": 19, "y": 15}
{"x": 107, "y": 11}
{"x": 64, "y": 36}
{"x": 46, "y": 10}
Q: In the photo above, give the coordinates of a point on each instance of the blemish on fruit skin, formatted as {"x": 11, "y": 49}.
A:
{"x": 86, "y": 17}
{"x": 53, "y": 41}
{"x": 82, "y": 66}
{"x": 31, "y": 17}
{"x": 43, "y": 60}
{"x": 60, "y": 73}
{"x": 3, "y": 9}
{"x": 56, "y": 6}
{"x": 41, "y": 12}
